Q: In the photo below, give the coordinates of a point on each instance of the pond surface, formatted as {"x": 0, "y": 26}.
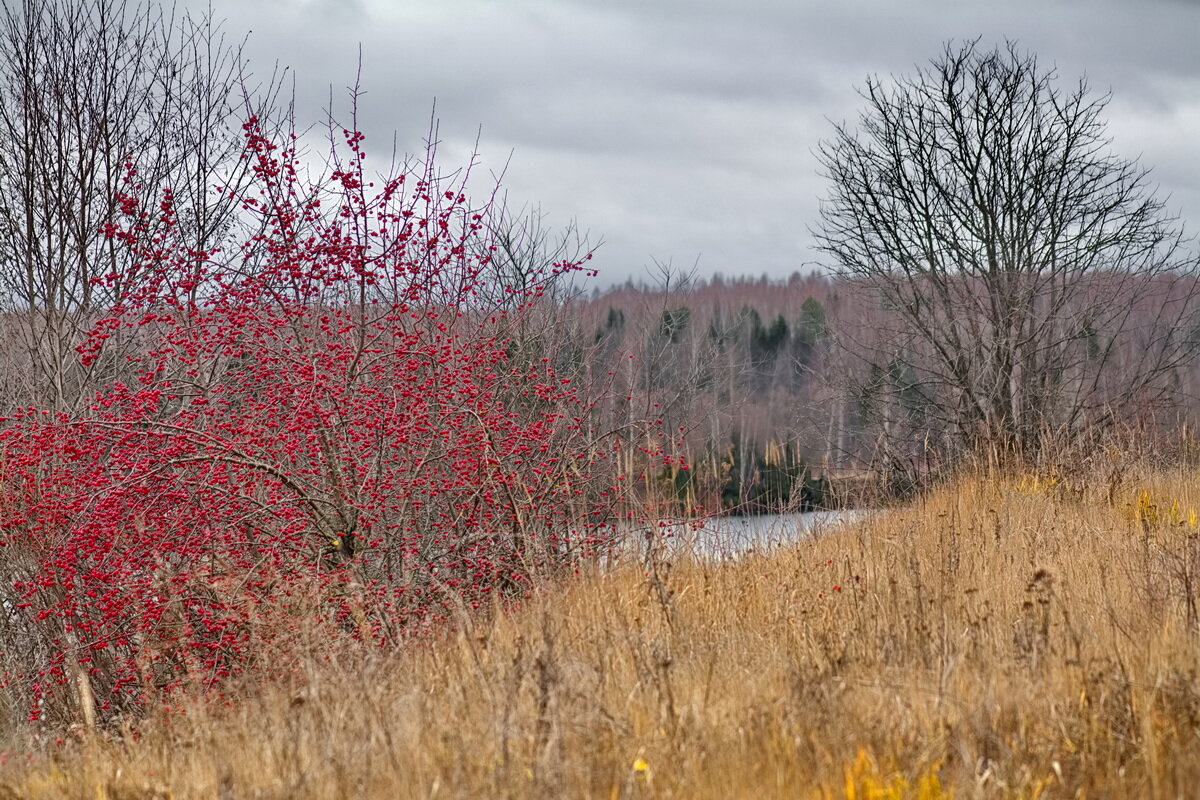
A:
{"x": 732, "y": 536}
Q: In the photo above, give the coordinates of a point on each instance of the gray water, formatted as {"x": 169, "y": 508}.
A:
{"x": 733, "y": 536}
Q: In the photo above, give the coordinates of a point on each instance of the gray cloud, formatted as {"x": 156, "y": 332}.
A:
{"x": 685, "y": 128}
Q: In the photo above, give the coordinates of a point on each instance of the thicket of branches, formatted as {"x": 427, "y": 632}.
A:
{"x": 99, "y": 99}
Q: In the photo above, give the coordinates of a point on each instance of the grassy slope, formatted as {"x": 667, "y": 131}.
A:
{"x": 986, "y": 641}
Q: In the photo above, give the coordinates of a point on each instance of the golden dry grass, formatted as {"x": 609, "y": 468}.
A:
{"x": 997, "y": 639}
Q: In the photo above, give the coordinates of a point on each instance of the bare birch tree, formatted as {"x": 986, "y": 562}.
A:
{"x": 96, "y": 98}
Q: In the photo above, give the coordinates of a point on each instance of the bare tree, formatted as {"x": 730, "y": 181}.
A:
{"x": 100, "y": 98}
{"x": 1028, "y": 283}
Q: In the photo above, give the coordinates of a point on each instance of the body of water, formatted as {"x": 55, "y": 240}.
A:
{"x": 732, "y": 536}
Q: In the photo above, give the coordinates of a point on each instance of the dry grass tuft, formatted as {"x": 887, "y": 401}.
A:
{"x": 1002, "y": 638}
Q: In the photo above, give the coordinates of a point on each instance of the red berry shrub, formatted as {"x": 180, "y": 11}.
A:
{"x": 330, "y": 425}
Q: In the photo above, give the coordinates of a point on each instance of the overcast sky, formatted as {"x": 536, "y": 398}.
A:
{"x": 683, "y": 131}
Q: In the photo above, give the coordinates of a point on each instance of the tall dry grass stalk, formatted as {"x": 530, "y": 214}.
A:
{"x": 1001, "y": 638}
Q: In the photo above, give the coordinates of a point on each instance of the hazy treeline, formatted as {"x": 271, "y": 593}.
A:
{"x": 762, "y": 379}
{"x": 739, "y": 369}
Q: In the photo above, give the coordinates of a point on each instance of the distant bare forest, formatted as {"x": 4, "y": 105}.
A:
{"x": 755, "y": 375}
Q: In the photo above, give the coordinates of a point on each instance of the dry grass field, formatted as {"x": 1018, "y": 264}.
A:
{"x": 997, "y": 638}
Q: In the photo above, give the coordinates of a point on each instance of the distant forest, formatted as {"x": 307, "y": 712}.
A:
{"x": 740, "y": 371}
{"x": 769, "y": 410}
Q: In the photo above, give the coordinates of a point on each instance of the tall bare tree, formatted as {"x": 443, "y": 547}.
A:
{"x": 1028, "y": 283}
{"x": 96, "y": 98}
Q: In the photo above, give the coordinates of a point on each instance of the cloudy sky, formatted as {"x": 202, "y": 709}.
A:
{"x": 683, "y": 131}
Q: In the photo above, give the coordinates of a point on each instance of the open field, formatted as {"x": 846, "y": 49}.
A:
{"x": 999, "y": 638}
